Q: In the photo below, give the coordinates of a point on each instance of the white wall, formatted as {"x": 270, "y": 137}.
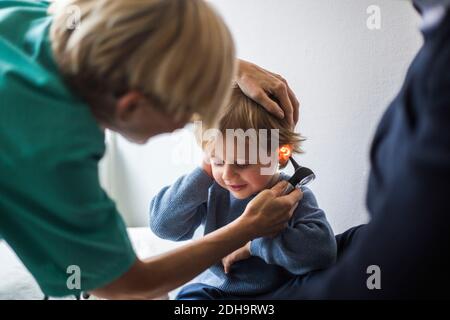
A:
{"x": 344, "y": 74}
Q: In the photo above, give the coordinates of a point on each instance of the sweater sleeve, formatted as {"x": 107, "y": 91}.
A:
{"x": 306, "y": 244}
{"x": 177, "y": 210}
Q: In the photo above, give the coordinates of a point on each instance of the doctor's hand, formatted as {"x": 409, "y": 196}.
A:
{"x": 260, "y": 85}
{"x": 269, "y": 212}
{"x": 240, "y": 254}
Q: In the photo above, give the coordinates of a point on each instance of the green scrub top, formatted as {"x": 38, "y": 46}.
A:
{"x": 53, "y": 212}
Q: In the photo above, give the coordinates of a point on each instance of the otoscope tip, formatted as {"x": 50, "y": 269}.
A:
{"x": 294, "y": 163}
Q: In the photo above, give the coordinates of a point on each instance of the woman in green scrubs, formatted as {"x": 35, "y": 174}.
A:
{"x": 53, "y": 212}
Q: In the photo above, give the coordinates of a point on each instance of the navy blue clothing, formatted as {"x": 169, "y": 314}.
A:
{"x": 201, "y": 291}
{"x": 408, "y": 197}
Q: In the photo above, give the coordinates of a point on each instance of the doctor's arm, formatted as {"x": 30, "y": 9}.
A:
{"x": 264, "y": 215}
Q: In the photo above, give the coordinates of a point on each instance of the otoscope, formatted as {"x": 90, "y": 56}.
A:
{"x": 302, "y": 175}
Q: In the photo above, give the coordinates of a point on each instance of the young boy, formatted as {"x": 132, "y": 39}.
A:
{"x": 218, "y": 193}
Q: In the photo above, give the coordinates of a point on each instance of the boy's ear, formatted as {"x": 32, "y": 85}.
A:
{"x": 127, "y": 105}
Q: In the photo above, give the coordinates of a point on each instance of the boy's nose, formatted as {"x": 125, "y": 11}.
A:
{"x": 228, "y": 172}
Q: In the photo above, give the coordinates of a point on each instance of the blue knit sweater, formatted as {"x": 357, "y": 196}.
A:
{"x": 306, "y": 244}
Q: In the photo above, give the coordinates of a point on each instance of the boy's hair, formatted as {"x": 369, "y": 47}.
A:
{"x": 178, "y": 53}
{"x": 241, "y": 112}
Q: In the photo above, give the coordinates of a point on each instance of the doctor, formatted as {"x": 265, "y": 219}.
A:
{"x": 129, "y": 66}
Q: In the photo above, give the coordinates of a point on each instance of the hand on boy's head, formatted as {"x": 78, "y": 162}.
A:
{"x": 259, "y": 84}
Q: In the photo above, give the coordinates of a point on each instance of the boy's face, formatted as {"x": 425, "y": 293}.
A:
{"x": 241, "y": 178}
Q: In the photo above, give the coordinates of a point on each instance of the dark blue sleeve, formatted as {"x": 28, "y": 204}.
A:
{"x": 177, "y": 211}
{"x": 305, "y": 245}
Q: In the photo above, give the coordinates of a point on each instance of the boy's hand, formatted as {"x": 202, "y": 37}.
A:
{"x": 240, "y": 254}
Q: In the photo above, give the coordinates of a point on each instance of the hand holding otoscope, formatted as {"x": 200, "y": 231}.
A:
{"x": 302, "y": 175}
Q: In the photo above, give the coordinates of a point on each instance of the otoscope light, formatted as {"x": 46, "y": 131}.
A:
{"x": 284, "y": 153}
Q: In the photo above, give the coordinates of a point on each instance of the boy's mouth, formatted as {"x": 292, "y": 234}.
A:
{"x": 237, "y": 187}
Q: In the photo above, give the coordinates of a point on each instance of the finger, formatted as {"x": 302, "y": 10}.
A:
{"x": 295, "y": 104}
{"x": 282, "y": 219}
{"x": 271, "y": 106}
{"x": 292, "y": 97}
{"x": 281, "y": 93}
{"x": 292, "y": 198}
{"x": 279, "y": 188}
{"x": 278, "y": 228}
{"x": 295, "y": 207}
{"x": 229, "y": 264}
{"x": 291, "y": 212}
{"x": 225, "y": 266}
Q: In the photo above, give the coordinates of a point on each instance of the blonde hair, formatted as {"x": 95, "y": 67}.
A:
{"x": 179, "y": 53}
{"x": 241, "y": 112}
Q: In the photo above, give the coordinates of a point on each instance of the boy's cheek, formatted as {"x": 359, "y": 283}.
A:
{"x": 260, "y": 181}
{"x": 217, "y": 175}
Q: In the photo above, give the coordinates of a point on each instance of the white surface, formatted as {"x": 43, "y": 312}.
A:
{"x": 344, "y": 74}
{"x": 16, "y": 283}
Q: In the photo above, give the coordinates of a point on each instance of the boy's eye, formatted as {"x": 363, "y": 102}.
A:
{"x": 217, "y": 163}
{"x": 241, "y": 166}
